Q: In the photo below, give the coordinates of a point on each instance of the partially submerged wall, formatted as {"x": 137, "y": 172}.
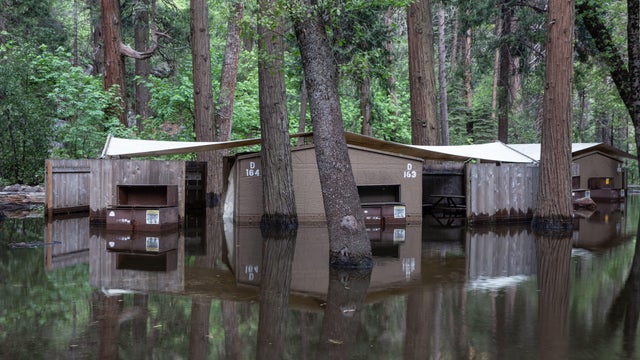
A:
{"x": 501, "y": 193}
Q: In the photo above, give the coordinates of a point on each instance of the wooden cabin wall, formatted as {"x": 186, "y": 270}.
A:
{"x": 67, "y": 185}
{"x": 107, "y": 174}
{"x": 501, "y": 193}
{"x": 369, "y": 169}
{"x": 597, "y": 165}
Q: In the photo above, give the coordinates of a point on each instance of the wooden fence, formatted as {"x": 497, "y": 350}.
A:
{"x": 67, "y": 186}
{"x": 501, "y": 193}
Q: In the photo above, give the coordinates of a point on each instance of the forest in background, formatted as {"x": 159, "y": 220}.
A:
{"x": 52, "y": 101}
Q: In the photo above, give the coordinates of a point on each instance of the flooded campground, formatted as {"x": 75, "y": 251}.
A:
{"x": 438, "y": 290}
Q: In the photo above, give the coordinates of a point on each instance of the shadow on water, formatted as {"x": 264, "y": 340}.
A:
{"x": 437, "y": 290}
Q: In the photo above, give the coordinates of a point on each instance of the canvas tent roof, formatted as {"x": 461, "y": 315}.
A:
{"x": 577, "y": 149}
{"x": 495, "y": 151}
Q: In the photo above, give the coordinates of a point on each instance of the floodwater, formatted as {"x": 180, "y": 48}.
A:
{"x": 438, "y": 291}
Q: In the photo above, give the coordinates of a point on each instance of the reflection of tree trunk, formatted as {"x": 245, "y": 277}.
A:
{"x": 232, "y": 343}
{"x": 554, "y": 259}
{"x": 345, "y": 299}
{"x": 110, "y": 327}
{"x": 199, "y": 327}
{"x": 626, "y": 307}
{"x": 417, "y": 340}
{"x": 275, "y": 281}
{"x": 141, "y": 302}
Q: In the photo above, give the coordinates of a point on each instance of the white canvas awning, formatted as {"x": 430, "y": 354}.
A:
{"x": 493, "y": 152}
{"x": 118, "y": 147}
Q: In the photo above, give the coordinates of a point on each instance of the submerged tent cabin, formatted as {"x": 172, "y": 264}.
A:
{"x": 597, "y": 169}
{"x": 386, "y": 181}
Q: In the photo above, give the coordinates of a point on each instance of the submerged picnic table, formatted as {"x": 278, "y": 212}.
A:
{"x": 450, "y": 201}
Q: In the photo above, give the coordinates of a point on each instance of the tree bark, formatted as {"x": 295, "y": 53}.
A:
{"x": 504, "y": 74}
{"x": 142, "y": 67}
{"x": 422, "y": 85}
{"x": 203, "y": 99}
{"x": 113, "y": 58}
{"x": 365, "y": 106}
{"x": 468, "y": 87}
{"x": 391, "y": 79}
{"x": 554, "y": 208}
{"x": 442, "y": 76}
{"x": 348, "y": 242}
{"x": 302, "y": 122}
{"x": 228, "y": 76}
{"x": 277, "y": 175}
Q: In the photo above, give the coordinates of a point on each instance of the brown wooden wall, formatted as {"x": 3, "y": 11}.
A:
{"x": 505, "y": 193}
{"x": 67, "y": 186}
{"x": 369, "y": 168}
{"x": 107, "y": 174}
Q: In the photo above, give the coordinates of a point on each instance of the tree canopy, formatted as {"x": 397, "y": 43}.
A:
{"x": 52, "y": 103}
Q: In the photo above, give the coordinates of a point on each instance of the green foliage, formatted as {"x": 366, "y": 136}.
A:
{"x": 25, "y": 124}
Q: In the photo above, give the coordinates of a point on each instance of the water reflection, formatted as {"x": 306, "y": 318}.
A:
{"x": 441, "y": 292}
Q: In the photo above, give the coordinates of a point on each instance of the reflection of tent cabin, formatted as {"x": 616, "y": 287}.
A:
{"x": 397, "y": 263}
{"x": 382, "y": 178}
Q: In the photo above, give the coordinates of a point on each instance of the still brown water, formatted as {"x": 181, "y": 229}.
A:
{"x": 436, "y": 292}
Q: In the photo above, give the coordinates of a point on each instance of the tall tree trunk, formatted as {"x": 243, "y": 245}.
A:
{"x": 228, "y": 75}
{"x": 582, "y": 117}
{"x": 365, "y": 106}
{"x": 422, "y": 84}
{"x": 468, "y": 86}
{"x": 348, "y": 242}
{"x": 204, "y": 109}
{"x": 302, "y": 122}
{"x": 96, "y": 38}
{"x": 504, "y": 77}
{"x": 496, "y": 72}
{"x": 442, "y": 76}
{"x": 391, "y": 79}
{"x": 277, "y": 174}
{"x": 554, "y": 208}
{"x": 113, "y": 59}
{"x": 141, "y": 38}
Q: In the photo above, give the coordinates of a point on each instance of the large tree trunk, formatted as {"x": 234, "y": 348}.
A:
{"x": 365, "y": 106}
{"x": 277, "y": 173}
{"x": 554, "y": 208}
{"x": 348, "y": 241}
{"x": 96, "y": 38}
{"x": 422, "y": 84}
{"x": 203, "y": 99}
{"x": 143, "y": 95}
{"x": 228, "y": 75}
{"x": 468, "y": 77}
{"x": 504, "y": 74}
{"x": 391, "y": 79}
{"x": 442, "y": 76}
{"x": 113, "y": 58}
{"x": 279, "y": 222}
